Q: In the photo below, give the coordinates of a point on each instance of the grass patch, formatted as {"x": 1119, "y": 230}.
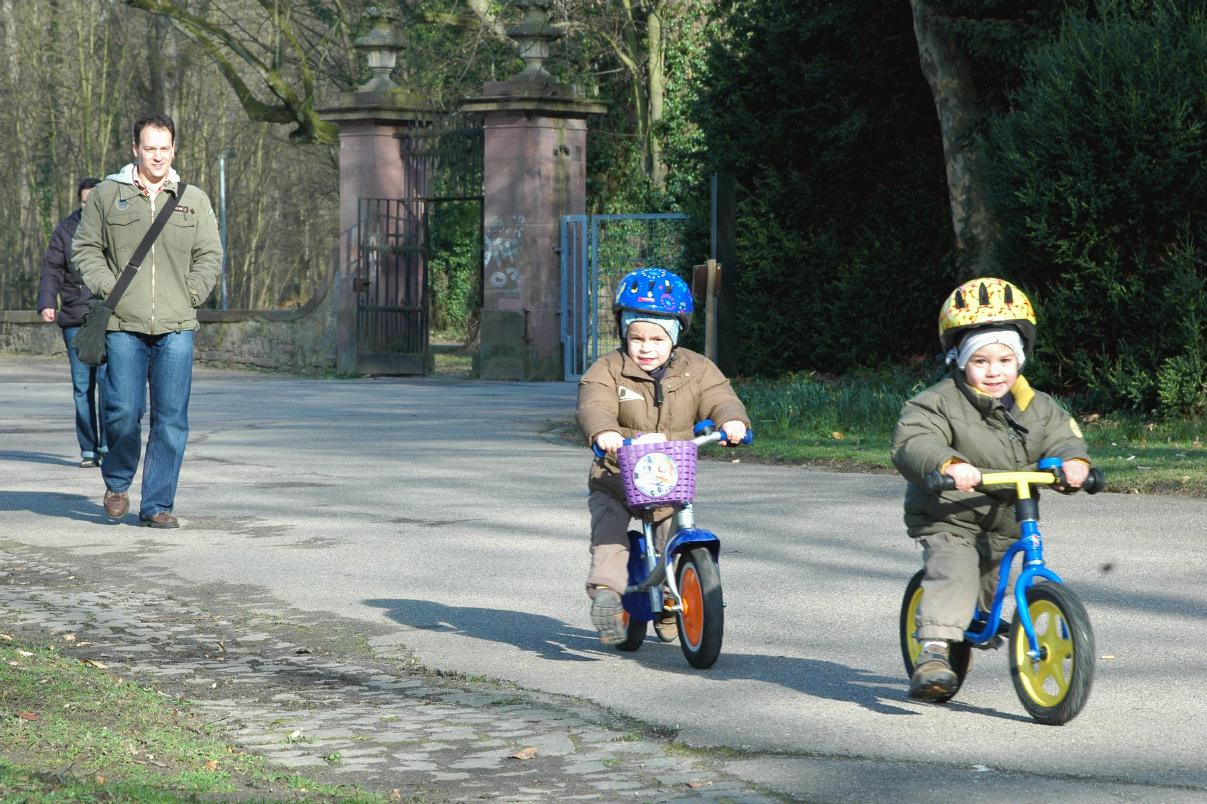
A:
{"x": 70, "y": 730}
{"x": 846, "y": 424}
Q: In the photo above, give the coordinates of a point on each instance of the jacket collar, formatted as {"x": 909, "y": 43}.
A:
{"x": 1019, "y": 398}
{"x": 630, "y": 369}
{"x": 126, "y": 176}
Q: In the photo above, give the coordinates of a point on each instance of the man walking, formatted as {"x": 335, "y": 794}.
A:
{"x": 63, "y": 298}
{"x": 150, "y": 339}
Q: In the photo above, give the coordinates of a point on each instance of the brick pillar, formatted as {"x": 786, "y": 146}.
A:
{"x": 535, "y": 139}
{"x": 370, "y": 166}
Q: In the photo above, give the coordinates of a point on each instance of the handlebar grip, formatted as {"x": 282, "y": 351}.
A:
{"x": 937, "y": 482}
{"x": 599, "y": 453}
{"x": 746, "y": 439}
{"x": 1095, "y": 482}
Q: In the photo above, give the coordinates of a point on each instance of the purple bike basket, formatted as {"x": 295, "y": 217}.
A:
{"x": 666, "y": 478}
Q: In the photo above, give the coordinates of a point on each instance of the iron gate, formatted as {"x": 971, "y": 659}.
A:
{"x": 401, "y": 241}
{"x": 596, "y": 252}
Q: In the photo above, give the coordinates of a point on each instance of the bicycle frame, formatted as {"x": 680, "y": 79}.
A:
{"x": 1030, "y": 545}
{"x": 684, "y": 534}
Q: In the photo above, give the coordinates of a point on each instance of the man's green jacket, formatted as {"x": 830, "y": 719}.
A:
{"x": 179, "y": 270}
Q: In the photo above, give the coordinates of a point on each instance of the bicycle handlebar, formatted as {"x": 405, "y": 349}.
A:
{"x": 709, "y": 436}
{"x": 1095, "y": 482}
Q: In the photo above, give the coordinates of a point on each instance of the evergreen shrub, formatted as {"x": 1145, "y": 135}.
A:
{"x": 821, "y": 111}
{"x": 1100, "y": 182}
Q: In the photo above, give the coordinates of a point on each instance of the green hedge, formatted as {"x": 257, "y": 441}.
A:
{"x": 821, "y": 111}
{"x": 1100, "y": 185}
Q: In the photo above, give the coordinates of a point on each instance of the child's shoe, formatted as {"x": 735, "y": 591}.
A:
{"x": 933, "y": 679}
{"x": 607, "y": 615}
{"x": 667, "y": 627}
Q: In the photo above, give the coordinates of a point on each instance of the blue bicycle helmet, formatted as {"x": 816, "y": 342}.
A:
{"x": 654, "y": 291}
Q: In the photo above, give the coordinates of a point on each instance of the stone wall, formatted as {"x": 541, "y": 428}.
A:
{"x": 302, "y": 340}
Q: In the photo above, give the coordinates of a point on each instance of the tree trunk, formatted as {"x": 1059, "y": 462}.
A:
{"x": 657, "y": 82}
{"x": 960, "y": 111}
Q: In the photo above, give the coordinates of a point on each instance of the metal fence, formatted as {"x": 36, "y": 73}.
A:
{"x": 596, "y": 253}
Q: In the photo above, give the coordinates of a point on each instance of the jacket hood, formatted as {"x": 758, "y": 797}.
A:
{"x": 126, "y": 176}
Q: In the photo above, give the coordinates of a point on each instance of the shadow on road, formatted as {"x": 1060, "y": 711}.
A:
{"x": 55, "y": 504}
{"x": 555, "y": 640}
{"x": 545, "y": 636}
{"x": 34, "y": 457}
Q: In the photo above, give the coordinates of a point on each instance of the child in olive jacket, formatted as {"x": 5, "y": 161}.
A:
{"x": 983, "y": 416}
{"x": 648, "y": 386}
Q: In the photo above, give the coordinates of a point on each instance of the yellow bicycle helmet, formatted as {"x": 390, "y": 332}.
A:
{"x": 986, "y": 302}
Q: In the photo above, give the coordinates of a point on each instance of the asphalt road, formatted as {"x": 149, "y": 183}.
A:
{"x": 443, "y": 517}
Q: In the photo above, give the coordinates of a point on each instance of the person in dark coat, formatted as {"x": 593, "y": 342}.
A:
{"x": 983, "y": 416}
{"x": 62, "y": 287}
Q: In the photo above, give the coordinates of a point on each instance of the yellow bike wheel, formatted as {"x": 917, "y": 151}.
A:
{"x": 1053, "y": 687}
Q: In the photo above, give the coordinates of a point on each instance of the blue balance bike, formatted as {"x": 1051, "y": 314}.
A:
{"x": 683, "y": 580}
{"x": 1051, "y": 644}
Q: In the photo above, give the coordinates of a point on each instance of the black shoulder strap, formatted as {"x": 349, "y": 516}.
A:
{"x": 140, "y": 253}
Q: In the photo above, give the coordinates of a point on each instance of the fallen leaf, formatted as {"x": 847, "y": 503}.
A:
{"x": 695, "y": 784}
{"x": 6, "y": 637}
{"x": 95, "y": 663}
{"x": 395, "y": 795}
{"x": 212, "y": 765}
{"x": 837, "y": 436}
{"x": 69, "y": 637}
{"x": 23, "y": 652}
{"x": 524, "y": 753}
{"x": 100, "y": 779}
{"x": 27, "y": 716}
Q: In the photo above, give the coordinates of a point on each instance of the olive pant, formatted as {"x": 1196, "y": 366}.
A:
{"x": 959, "y": 570}
{"x": 610, "y": 519}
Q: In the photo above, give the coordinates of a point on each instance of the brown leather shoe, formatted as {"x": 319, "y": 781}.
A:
{"x": 667, "y": 628}
{"x": 161, "y": 520}
{"x": 933, "y": 679}
{"x": 117, "y": 503}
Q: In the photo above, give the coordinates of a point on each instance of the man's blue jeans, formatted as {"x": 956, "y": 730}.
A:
{"x": 85, "y": 386}
{"x": 162, "y": 365}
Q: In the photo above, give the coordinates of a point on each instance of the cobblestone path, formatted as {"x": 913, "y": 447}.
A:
{"x": 341, "y": 720}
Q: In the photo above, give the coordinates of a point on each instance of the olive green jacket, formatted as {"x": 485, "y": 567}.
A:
{"x": 617, "y": 394}
{"x": 951, "y": 421}
{"x": 180, "y": 268}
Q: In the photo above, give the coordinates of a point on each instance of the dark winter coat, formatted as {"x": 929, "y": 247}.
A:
{"x": 950, "y": 421}
{"x": 60, "y": 280}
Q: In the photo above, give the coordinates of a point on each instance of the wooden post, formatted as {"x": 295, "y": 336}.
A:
{"x": 713, "y": 286}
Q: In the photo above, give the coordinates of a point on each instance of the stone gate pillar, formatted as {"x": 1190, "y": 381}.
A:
{"x": 535, "y": 139}
{"x": 370, "y": 157}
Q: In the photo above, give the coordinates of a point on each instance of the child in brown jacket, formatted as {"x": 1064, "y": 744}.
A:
{"x": 648, "y": 386}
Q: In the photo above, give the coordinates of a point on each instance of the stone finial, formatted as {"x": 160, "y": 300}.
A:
{"x": 381, "y": 45}
{"x": 534, "y": 34}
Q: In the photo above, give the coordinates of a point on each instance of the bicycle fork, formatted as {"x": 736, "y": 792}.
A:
{"x": 1031, "y": 545}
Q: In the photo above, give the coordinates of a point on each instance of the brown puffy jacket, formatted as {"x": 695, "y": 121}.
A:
{"x": 616, "y": 394}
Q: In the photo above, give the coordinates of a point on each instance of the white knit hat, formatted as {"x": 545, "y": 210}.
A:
{"x": 1007, "y": 336}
